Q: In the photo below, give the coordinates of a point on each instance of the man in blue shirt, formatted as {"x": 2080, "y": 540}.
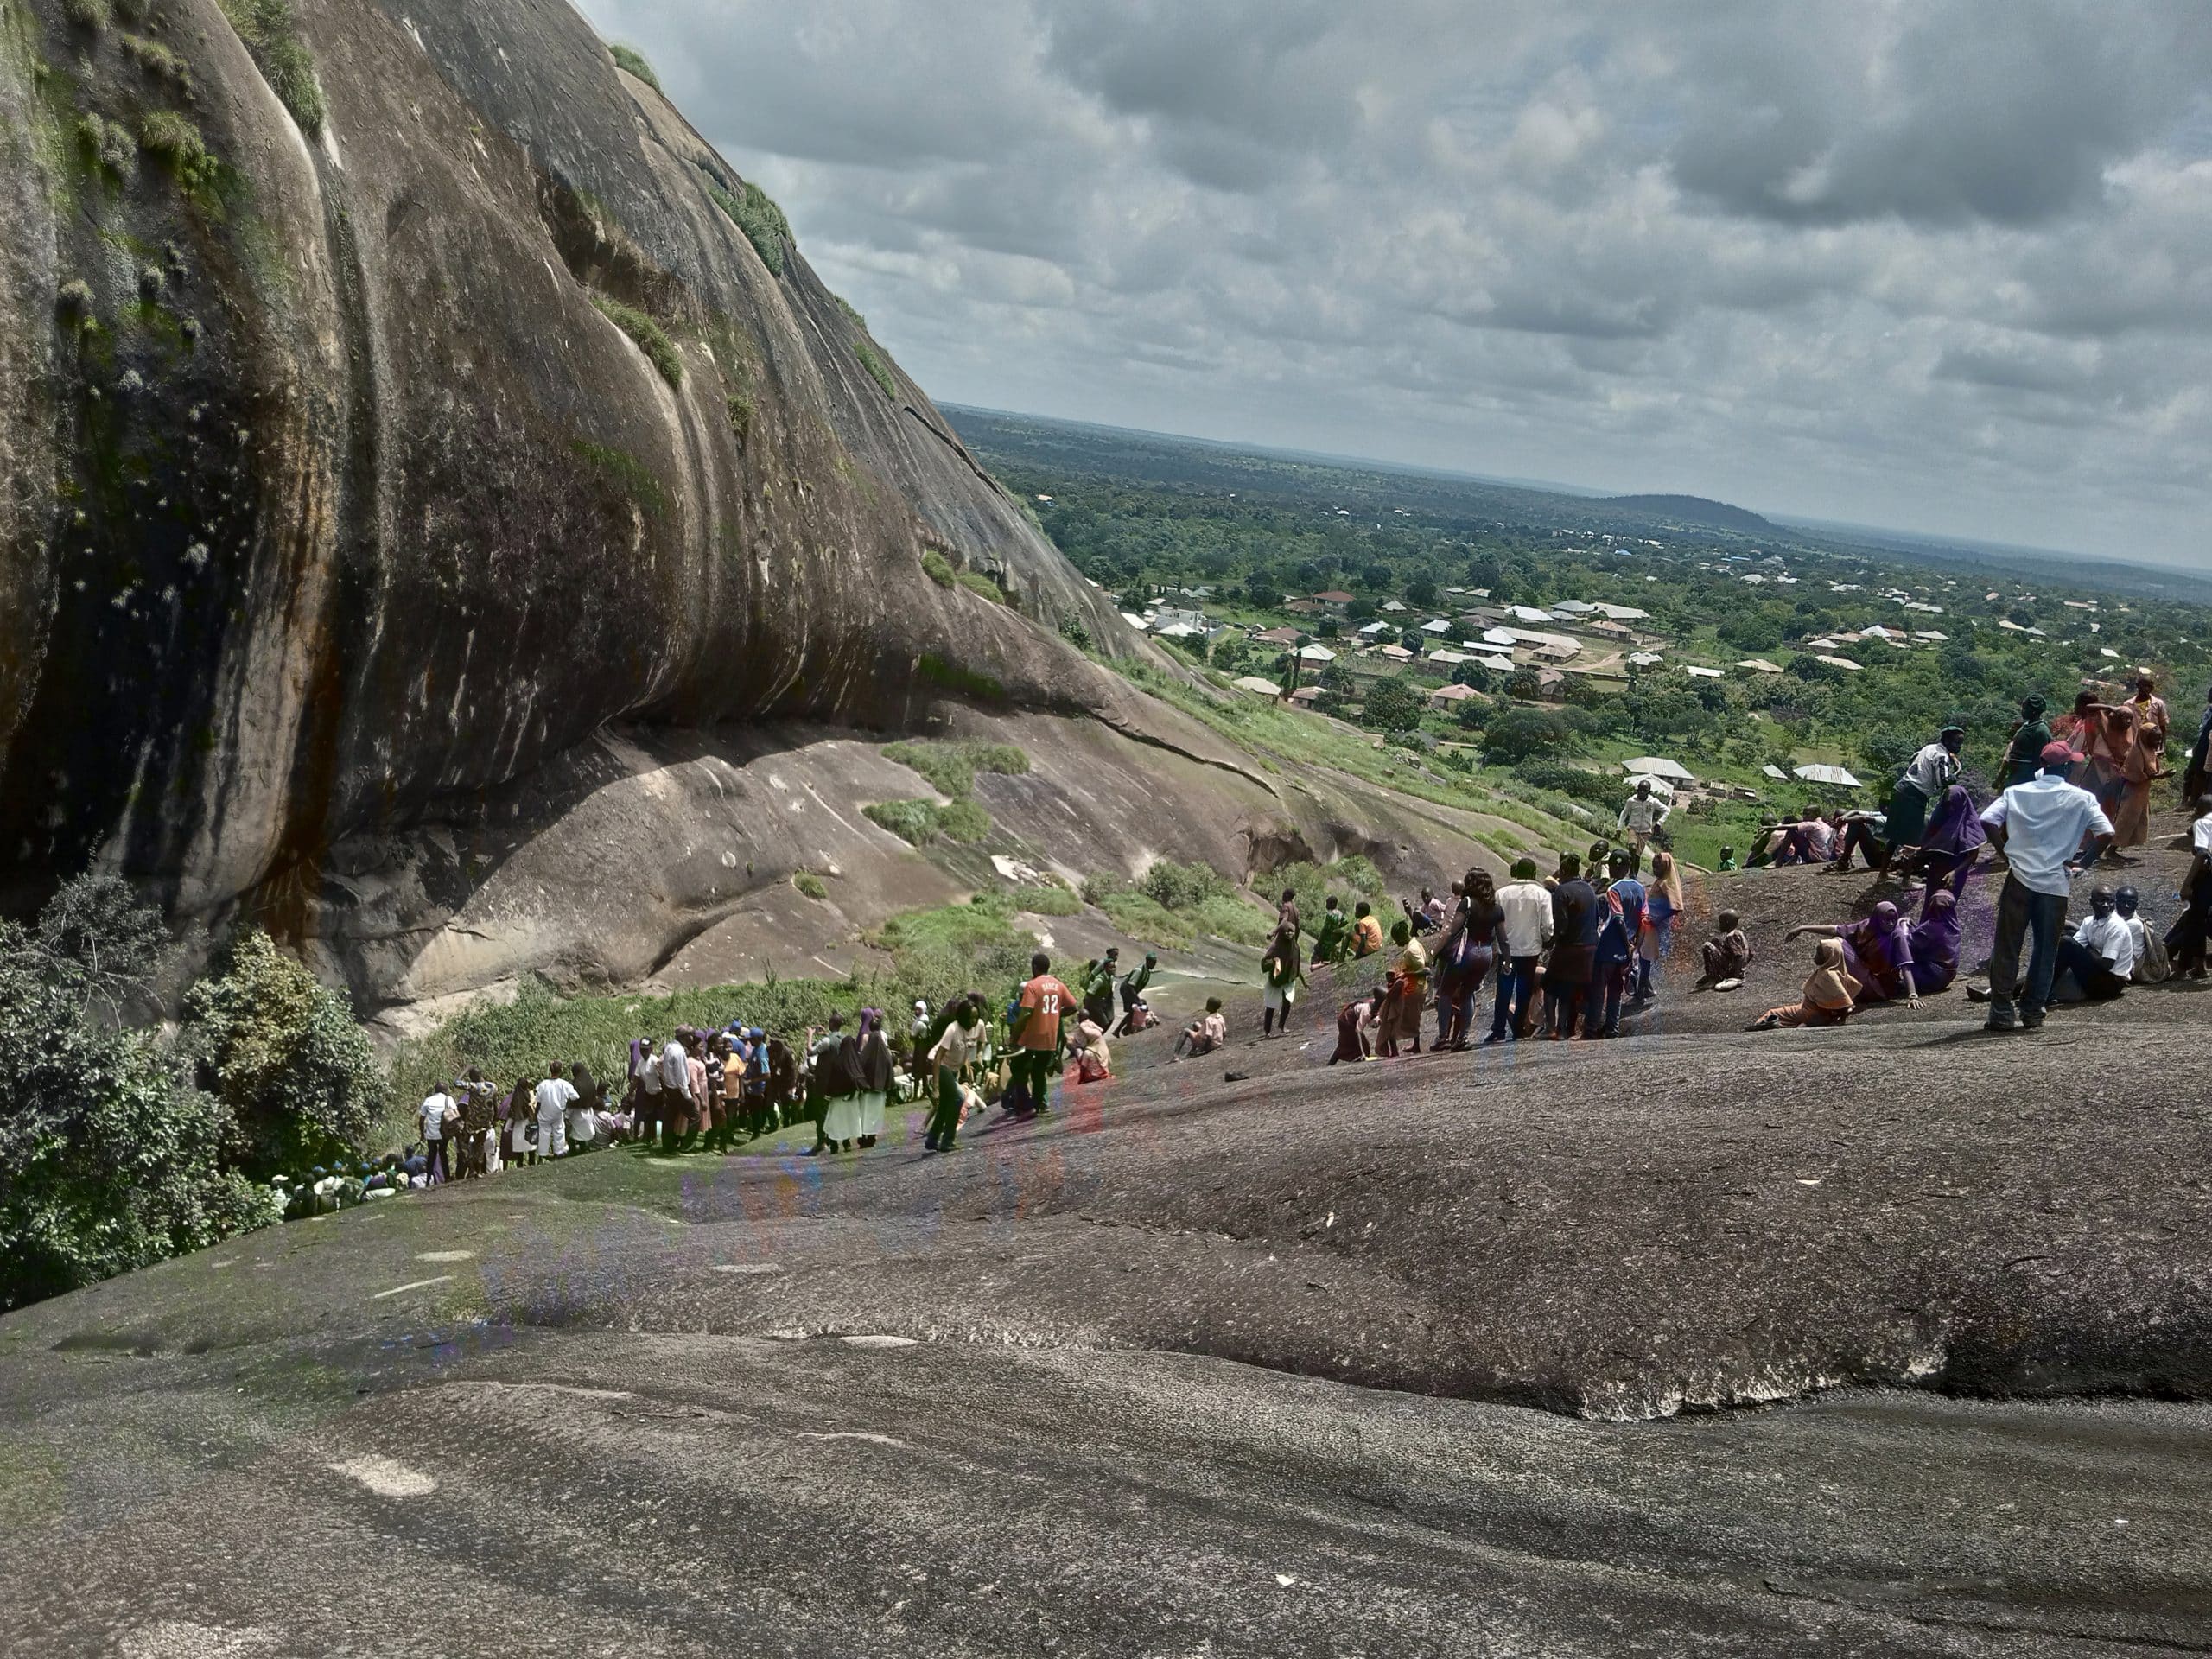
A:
{"x": 2045, "y": 827}
{"x": 1620, "y": 923}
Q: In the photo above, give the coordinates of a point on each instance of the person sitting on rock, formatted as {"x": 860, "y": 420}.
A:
{"x": 1205, "y": 1034}
{"x": 1089, "y": 1058}
{"x": 1935, "y": 944}
{"x": 1877, "y": 951}
{"x": 1829, "y": 996}
{"x": 2101, "y": 955}
{"x": 1728, "y": 954}
{"x": 1330, "y": 943}
{"x": 1366, "y": 930}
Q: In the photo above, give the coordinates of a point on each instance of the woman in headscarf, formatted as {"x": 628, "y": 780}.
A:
{"x": 2137, "y": 763}
{"x": 1877, "y": 953}
{"x": 1936, "y": 942}
{"x": 875, "y": 1065}
{"x": 2024, "y": 755}
{"x": 2197, "y": 774}
{"x": 2076, "y": 728}
{"x": 1830, "y": 993}
{"x": 1662, "y": 902}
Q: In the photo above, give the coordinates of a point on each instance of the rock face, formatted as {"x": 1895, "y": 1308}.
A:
{"x": 369, "y": 448}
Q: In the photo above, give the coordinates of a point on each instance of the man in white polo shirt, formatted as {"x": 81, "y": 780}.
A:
{"x": 555, "y": 1096}
{"x": 2040, "y": 826}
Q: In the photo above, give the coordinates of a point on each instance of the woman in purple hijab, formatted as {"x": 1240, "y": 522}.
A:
{"x": 1877, "y": 952}
{"x": 1935, "y": 942}
{"x": 1952, "y": 841}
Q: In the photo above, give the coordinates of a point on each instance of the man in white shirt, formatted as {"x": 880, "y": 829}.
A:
{"x": 555, "y": 1096}
{"x": 1925, "y": 778}
{"x": 1640, "y": 816}
{"x": 432, "y": 1114}
{"x": 1522, "y": 934}
{"x": 2101, "y": 954}
{"x": 2040, "y": 826}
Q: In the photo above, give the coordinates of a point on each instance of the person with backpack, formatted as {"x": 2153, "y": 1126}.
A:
{"x": 1035, "y": 1032}
{"x": 1098, "y": 988}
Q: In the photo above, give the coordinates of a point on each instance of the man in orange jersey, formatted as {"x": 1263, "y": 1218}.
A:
{"x": 1036, "y": 1032}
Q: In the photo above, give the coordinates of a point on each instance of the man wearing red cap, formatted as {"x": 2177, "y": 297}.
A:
{"x": 2041, "y": 826}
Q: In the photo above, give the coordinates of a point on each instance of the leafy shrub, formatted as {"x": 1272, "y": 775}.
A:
{"x": 271, "y": 34}
{"x": 1512, "y": 735}
{"x": 1349, "y": 878}
{"x": 739, "y": 411}
{"x": 284, "y": 1056}
{"x": 176, "y": 143}
{"x": 1073, "y": 631}
{"x": 629, "y": 59}
{"x": 87, "y": 13}
{"x": 108, "y": 145}
{"x": 1052, "y": 900}
{"x": 651, "y": 339}
{"x": 937, "y": 568}
{"x": 109, "y": 1159}
{"x": 851, "y": 315}
{"x": 74, "y": 301}
{"x": 1229, "y": 917}
{"x": 1139, "y": 916}
{"x": 1576, "y": 783}
{"x": 1182, "y": 887}
{"x": 810, "y": 884}
{"x": 1392, "y": 704}
{"x": 878, "y": 370}
{"x": 976, "y": 583}
{"x": 762, "y": 221}
{"x": 951, "y": 766}
{"x": 155, "y": 59}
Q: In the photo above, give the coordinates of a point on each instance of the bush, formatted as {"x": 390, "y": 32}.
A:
{"x": 975, "y": 582}
{"x": 651, "y": 339}
{"x": 810, "y": 884}
{"x": 156, "y": 60}
{"x": 1512, "y": 735}
{"x": 109, "y": 1159}
{"x": 271, "y": 34}
{"x": 284, "y": 1056}
{"x": 951, "y": 765}
{"x": 1392, "y": 705}
{"x": 108, "y": 145}
{"x": 937, "y": 569}
{"x": 631, "y": 60}
{"x": 1576, "y": 783}
{"x": 1073, "y": 631}
{"x": 879, "y": 371}
{"x": 1182, "y": 887}
{"x": 921, "y": 823}
{"x": 1228, "y": 917}
{"x": 87, "y": 13}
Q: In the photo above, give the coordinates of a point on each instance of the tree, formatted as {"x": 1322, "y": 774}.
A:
{"x": 1410, "y": 639}
{"x": 1261, "y": 593}
{"x": 1420, "y": 591}
{"x": 1392, "y": 705}
{"x": 1522, "y": 685}
{"x": 1513, "y": 734}
{"x": 98, "y": 933}
{"x": 1471, "y": 674}
{"x": 1375, "y": 576}
{"x": 284, "y": 1055}
{"x": 1328, "y": 627}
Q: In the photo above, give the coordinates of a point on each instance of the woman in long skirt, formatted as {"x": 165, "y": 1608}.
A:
{"x": 875, "y": 1076}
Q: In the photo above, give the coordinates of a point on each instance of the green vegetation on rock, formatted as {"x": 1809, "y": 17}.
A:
{"x": 87, "y": 13}
{"x": 271, "y": 34}
{"x": 176, "y": 143}
{"x": 625, "y": 472}
{"x": 922, "y": 823}
{"x": 155, "y": 59}
{"x": 650, "y": 336}
{"x": 107, "y": 145}
{"x": 951, "y": 765}
{"x": 878, "y": 370}
{"x": 953, "y": 677}
{"x": 632, "y": 62}
{"x": 810, "y": 884}
{"x": 976, "y": 583}
{"x": 1174, "y": 904}
{"x": 938, "y": 568}
{"x": 761, "y": 221}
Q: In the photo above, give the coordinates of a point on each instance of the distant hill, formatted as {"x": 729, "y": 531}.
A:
{"x": 1693, "y": 510}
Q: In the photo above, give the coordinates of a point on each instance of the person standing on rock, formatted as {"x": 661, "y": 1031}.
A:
{"x": 1279, "y": 972}
{"x": 2041, "y": 828}
{"x": 1575, "y": 949}
{"x": 1620, "y": 923}
{"x": 1464, "y": 959}
{"x": 1641, "y": 815}
{"x": 554, "y": 1097}
{"x": 1044, "y": 1002}
{"x": 676, "y": 1092}
{"x": 1663, "y": 904}
{"x": 2024, "y": 751}
{"x": 873, "y": 1056}
{"x": 1524, "y": 906}
{"x": 1133, "y": 986}
{"x": 1926, "y": 776}
{"x": 954, "y": 1056}
{"x": 1407, "y": 999}
{"x": 2197, "y": 775}
{"x": 2190, "y": 936}
{"x": 834, "y": 1081}
{"x": 1286, "y": 921}
{"x": 431, "y": 1117}
{"x": 1098, "y": 988}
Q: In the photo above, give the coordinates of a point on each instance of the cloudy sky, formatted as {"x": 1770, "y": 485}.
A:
{"x": 1941, "y": 264}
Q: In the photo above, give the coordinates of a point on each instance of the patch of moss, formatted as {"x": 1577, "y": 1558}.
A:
{"x": 176, "y": 144}
{"x": 632, "y": 62}
{"x": 627, "y": 472}
{"x": 762, "y": 221}
{"x": 938, "y": 568}
{"x": 953, "y": 677}
{"x": 271, "y": 34}
{"x": 976, "y": 583}
{"x": 651, "y": 339}
{"x": 156, "y": 60}
{"x": 107, "y": 145}
{"x": 72, "y": 303}
{"x": 878, "y": 370}
{"x": 94, "y": 15}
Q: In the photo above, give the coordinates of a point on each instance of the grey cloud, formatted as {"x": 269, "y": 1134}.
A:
{"x": 1946, "y": 264}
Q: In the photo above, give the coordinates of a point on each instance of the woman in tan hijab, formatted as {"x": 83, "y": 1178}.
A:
{"x": 1830, "y": 993}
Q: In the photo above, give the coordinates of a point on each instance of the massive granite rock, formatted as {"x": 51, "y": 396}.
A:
{"x": 345, "y": 504}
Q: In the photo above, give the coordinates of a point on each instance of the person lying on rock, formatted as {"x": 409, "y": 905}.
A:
{"x": 1877, "y": 952}
{"x": 1829, "y": 996}
{"x": 1728, "y": 954}
{"x": 1203, "y": 1035}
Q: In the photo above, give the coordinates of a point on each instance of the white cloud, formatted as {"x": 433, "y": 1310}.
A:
{"x": 1946, "y": 264}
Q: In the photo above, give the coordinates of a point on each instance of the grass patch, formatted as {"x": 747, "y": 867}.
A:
{"x": 1229, "y": 917}
{"x": 878, "y": 370}
{"x": 982, "y": 585}
{"x": 810, "y": 884}
{"x": 939, "y": 670}
{"x": 1141, "y": 919}
{"x": 107, "y": 145}
{"x": 1054, "y": 898}
{"x": 271, "y": 34}
{"x": 851, "y": 315}
{"x": 94, "y": 15}
{"x": 156, "y": 60}
{"x": 625, "y": 472}
{"x": 176, "y": 144}
{"x": 1174, "y": 903}
{"x": 938, "y": 568}
{"x": 632, "y": 62}
{"x": 951, "y": 766}
{"x": 762, "y": 221}
{"x": 922, "y": 822}
{"x": 739, "y": 411}
{"x": 651, "y": 338}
